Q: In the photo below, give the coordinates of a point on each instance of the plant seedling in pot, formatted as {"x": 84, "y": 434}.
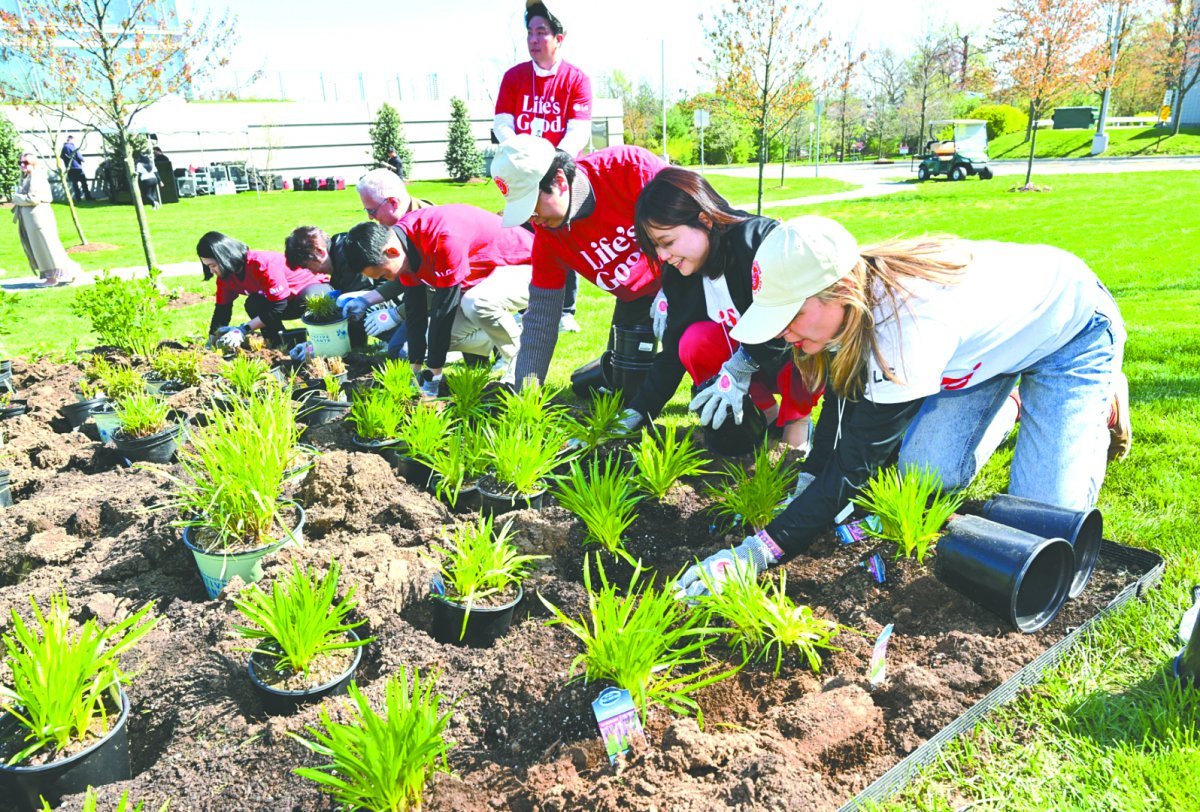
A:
{"x": 244, "y": 376}
{"x": 375, "y": 415}
{"x": 645, "y": 641}
{"x": 333, "y": 389}
{"x": 604, "y": 499}
{"x": 300, "y": 624}
{"x": 762, "y": 620}
{"x": 480, "y": 567}
{"x": 468, "y": 391}
{"x": 183, "y": 366}
{"x": 523, "y": 456}
{"x": 601, "y": 424}
{"x": 142, "y": 415}
{"x": 395, "y": 377}
{"x": 121, "y": 382}
{"x": 64, "y": 678}
{"x": 426, "y": 430}
{"x": 662, "y": 459}
{"x": 321, "y": 309}
{"x": 532, "y": 407}
{"x": 91, "y": 802}
{"x": 753, "y": 498}
{"x": 382, "y": 762}
{"x": 912, "y": 508}
{"x": 459, "y": 462}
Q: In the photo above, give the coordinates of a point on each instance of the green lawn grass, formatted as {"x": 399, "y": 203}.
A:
{"x": 743, "y": 192}
{"x": 1106, "y": 730}
{"x": 1122, "y": 142}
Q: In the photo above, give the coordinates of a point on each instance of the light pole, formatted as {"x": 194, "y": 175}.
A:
{"x": 1100, "y": 139}
{"x": 700, "y": 119}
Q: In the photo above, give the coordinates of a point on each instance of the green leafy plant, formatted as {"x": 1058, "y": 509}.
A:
{"x": 321, "y": 309}
{"x": 178, "y": 365}
{"x": 426, "y": 430}
{"x": 532, "y": 407}
{"x": 762, "y": 620}
{"x": 478, "y": 564}
{"x": 91, "y": 800}
{"x": 601, "y": 423}
{"x": 662, "y": 458}
{"x": 524, "y": 455}
{"x": 142, "y": 414}
{"x": 753, "y": 499}
{"x": 244, "y": 375}
{"x": 121, "y": 382}
{"x": 458, "y": 462}
{"x": 65, "y": 679}
{"x": 300, "y": 620}
{"x": 468, "y": 391}
{"x": 381, "y": 762}
{"x": 236, "y": 504}
{"x": 604, "y": 499}
{"x": 124, "y": 313}
{"x": 912, "y": 508}
{"x": 396, "y": 378}
{"x": 375, "y": 414}
{"x": 333, "y": 388}
{"x": 645, "y": 641}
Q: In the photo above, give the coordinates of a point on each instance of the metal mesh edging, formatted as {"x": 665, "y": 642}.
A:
{"x": 1147, "y": 562}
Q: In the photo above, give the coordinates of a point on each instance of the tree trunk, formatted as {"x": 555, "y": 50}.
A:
{"x": 762, "y": 159}
{"x": 1177, "y": 114}
{"x": 135, "y": 193}
{"x": 1032, "y": 147}
{"x": 783, "y": 164}
{"x": 1029, "y": 128}
{"x": 62, "y": 173}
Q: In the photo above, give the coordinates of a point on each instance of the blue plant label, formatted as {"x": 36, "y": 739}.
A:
{"x": 437, "y": 586}
{"x": 877, "y": 669}
{"x": 618, "y": 721}
{"x": 858, "y": 531}
{"x": 876, "y": 568}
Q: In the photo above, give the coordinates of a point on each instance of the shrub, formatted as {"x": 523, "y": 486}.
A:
{"x": 463, "y": 159}
{"x": 10, "y": 154}
{"x": 1001, "y": 119}
{"x": 911, "y": 507}
{"x": 388, "y": 133}
{"x": 124, "y": 313}
{"x": 754, "y": 498}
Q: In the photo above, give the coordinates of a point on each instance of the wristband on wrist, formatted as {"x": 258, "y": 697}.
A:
{"x": 768, "y": 542}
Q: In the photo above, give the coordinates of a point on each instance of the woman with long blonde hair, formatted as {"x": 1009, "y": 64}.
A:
{"x": 919, "y": 344}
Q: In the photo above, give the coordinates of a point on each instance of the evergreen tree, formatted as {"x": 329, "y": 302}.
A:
{"x": 387, "y": 133}
{"x": 10, "y": 154}
{"x": 463, "y": 159}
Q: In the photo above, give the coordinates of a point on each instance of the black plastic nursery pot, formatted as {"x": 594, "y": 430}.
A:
{"x": 413, "y": 471}
{"x": 390, "y": 448}
{"x": 158, "y": 447}
{"x": 278, "y": 702}
{"x": 592, "y": 376}
{"x": 15, "y": 408}
{"x": 317, "y": 410}
{"x": 5, "y": 490}
{"x": 468, "y": 495}
{"x": 1016, "y": 575}
{"x": 736, "y": 439}
{"x": 494, "y": 504}
{"x": 634, "y": 342}
{"x": 78, "y": 413}
{"x": 292, "y": 337}
{"x": 485, "y": 625}
{"x": 105, "y": 762}
{"x": 1083, "y": 530}
{"x": 6, "y": 376}
{"x": 628, "y": 376}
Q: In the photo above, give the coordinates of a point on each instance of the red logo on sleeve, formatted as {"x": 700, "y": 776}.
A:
{"x": 502, "y": 186}
{"x": 755, "y": 277}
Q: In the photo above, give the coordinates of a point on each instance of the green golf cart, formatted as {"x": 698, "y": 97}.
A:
{"x": 962, "y": 155}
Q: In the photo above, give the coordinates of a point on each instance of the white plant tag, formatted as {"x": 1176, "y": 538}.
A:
{"x": 877, "y": 670}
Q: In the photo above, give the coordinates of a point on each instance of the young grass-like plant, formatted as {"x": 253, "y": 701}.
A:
{"x": 381, "y": 762}
{"x": 91, "y": 803}
{"x": 178, "y": 365}
{"x": 478, "y": 563}
{"x": 532, "y": 407}
{"x": 65, "y": 679}
{"x": 375, "y": 414}
{"x": 333, "y": 388}
{"x": 601, "y": 423}
{"x": 459, "y": 462}
{"x": 523, "y": 456}
{"x": 911, "y": 506}
{"x": 754, "y": 498}
{"x": 645, "y": 641}
{"x": 662, "y": 458}
{"x": 604, "y": 499}
{"x": 321, "y": 309}
{"x": 396, "y": 378}
{"x": 300, "y": 620}
{"x": 762, "y": 620}
{"x": 121, "y": 382}
{"x": 142, "y": 414}
{"x": 426, "y": 429}
{"x": 468, "y": 391}
{"x": 244, "y": 375}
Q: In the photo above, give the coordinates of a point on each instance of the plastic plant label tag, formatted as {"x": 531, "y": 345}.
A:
{"x": 618, "y": 721}
{"x": 437, "y": 586}
{"x": 876, "y": 568}
{"x": 857, "y": 531}
{"x": 877, "y": 669}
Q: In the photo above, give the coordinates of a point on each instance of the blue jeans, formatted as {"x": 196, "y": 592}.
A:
{"x": 1062, "y": 446}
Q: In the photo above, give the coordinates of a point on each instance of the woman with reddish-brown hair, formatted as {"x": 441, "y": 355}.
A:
{"x": 706, "y": 249}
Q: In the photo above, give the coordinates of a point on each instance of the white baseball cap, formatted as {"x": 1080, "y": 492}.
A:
{"x": 799, "y": 259}
{"x": 520, "y": 163}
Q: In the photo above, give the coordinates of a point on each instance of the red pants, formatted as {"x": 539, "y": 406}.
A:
{"x": 706, "y": 345}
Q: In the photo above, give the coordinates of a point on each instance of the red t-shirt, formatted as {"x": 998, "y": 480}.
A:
{"x": 602, "y": 246}
{"x": 460, "y": 245}
{"x": 267, "y": 274}
{"x": 552, "y": 100}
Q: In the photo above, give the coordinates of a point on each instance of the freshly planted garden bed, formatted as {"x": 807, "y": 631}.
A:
{"x": 524, "y": 736}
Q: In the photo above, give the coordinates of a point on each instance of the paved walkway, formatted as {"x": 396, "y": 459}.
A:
{"x": 25, "y": 283}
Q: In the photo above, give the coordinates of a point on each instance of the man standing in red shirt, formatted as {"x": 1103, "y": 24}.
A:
{"x": 478, "y": 270}
{"x": 551, "y": 99}
{"x": 582, "y": 214}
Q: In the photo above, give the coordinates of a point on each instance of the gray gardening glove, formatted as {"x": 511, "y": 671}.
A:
{"x": 629, "y": 421}
{"x": 353, "y": 307}
{"x": 725, "y": 394}
{"x": 232, "y": 337}
{"x": 381, "y": 321}
{"x": 754, "y": 554}
{"x": 302, "y": 352}
{"x": 658, "y": 315}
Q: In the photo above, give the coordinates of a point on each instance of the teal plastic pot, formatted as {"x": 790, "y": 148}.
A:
{"x": 329, "y": 340}
{"x": 106, "y": 420}
{"x": 218, "y": 568}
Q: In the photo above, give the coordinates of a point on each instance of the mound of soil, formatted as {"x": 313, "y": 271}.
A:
{"x": 525, "y": 737}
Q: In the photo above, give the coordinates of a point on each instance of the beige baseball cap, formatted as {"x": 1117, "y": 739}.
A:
{"x": 519, "y": 165}
{"x": 799, "y": 259}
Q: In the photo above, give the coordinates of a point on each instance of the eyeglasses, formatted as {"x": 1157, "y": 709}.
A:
{"x": 24, "y": 163}
{"x": 371, "y": 212}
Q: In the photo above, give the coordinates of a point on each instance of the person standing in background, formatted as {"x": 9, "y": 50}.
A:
{"x": 551, "y": 99}
{"x": 72, "y": 159}
{"x": 397, "y": 165}
{"x": 35, "y": 223}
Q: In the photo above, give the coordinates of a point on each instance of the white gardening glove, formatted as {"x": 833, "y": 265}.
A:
{"x": 353, "y": 307}
{"x": 725, "y": 394}
{"x": 232, "y": 337}
{"x": 302, "y": 352}
{"x": 658, "y": 315}
{"x": 754, "y": 554}
{"x": 629, "y": 421}
{"x": 381, "y": 321}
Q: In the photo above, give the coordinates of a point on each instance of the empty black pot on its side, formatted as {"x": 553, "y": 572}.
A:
{"x": 78, "y": 413}
{"x": 318, "y": 410}
{"x": 592, "y": 376}
{"x": 1021, "y": 577}
{"x": 736, "y": 439}
{"x": 1083, "y": 529}
{"x": 280, "y": 703}
{"x": 485, "y": 625}
{"x": 105, "y": 762}
{"x": 5, "y": 491}
{"x": 14, "y": 408}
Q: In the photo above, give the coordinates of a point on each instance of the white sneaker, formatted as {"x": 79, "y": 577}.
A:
{"x": 567, "y": 324}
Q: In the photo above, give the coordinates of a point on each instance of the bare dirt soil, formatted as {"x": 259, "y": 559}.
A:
{"x": 525, "y": 738}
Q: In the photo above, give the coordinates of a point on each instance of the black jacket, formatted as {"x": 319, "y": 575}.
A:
{"x": 733, "y": 252}
{"x": 342, "y": 279}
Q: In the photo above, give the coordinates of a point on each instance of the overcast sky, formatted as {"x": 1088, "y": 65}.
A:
{"x": 458, "y": 35}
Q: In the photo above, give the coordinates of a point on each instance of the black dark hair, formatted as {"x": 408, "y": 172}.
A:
{"x": 229, "y": 253}
{"x": 299, "y": 249}
{"x": 561, "y": 161}
{"x": 678, "y": 197}
{"x": 540, "y": 10}
{"x": 364, "y": 244}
